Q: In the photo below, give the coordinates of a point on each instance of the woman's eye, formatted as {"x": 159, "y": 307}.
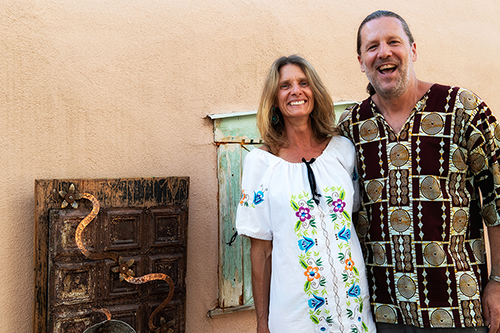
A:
{"x": 303, "y": 84}
{"x": 284, "y": 86}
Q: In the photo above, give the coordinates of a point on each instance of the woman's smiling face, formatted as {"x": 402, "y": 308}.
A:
{"x": 295, "y": 96}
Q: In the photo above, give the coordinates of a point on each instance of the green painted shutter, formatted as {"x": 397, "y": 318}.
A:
{"x": 235, "y": 135}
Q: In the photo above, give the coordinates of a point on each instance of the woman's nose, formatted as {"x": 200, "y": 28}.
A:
{"x": 296, "y": 89}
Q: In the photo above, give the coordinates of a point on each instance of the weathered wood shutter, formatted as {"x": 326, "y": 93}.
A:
{"x": 235, "y": 135}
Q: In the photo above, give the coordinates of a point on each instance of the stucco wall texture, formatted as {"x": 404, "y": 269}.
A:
{"x": 121, "y": 88}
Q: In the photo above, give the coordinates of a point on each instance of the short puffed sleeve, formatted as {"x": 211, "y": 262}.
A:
{"x": 253, "y": 217}
{"x": 347, "y": 158}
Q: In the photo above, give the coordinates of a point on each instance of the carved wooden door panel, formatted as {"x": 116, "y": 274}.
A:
{"x": 143, "y": 222}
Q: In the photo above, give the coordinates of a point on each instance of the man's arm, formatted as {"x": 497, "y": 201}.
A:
{"x": 491, "y": 294}
{"x": 260, "y": 255}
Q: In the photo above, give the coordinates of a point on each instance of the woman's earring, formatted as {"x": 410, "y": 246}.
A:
{"x": 275, "y": 119}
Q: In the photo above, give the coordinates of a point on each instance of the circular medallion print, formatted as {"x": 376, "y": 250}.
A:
{"x": 467, "y": 285}
{"x": 406, "y": 287}
{"x": 476, "y": 162}
{"x": 459, "y": 220}
{"x": 362, "y": 226}
{"x": 497, "y": 131}
{"x": 469, "y": 100}
{"x": 458, "y": 159}
{"x": 489, "y": 213}
{"x": 434, "y": 254}
{"x": 441, "y": 318}
{"x": 369, "y": 130}
{"x": 479, "y": 250}
{"x": 378, "y": 254}
{"x": 399, "y": 155}
{"x": 495, "y": 169}
{"x": 430, "y": 188}
{"x": 472, "y": 141}
{"x": 432, "y": 124}
{"x": 385, "y": 314}
{"x": 400, "y": 220}
{"x": 374, "y": 189}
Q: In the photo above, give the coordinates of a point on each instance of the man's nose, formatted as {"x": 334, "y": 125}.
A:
{"x": 384, "y": 50}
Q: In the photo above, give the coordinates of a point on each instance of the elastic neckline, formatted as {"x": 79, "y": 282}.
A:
{"x": 300, "y": 163}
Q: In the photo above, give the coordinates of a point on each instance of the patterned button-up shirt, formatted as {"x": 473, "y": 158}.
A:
{"x": 422, "y": 219}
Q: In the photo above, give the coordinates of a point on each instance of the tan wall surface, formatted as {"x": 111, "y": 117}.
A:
{"x": 103, "y": 88}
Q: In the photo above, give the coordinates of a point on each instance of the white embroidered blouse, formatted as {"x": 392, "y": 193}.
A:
{"x": 318, "y": 280}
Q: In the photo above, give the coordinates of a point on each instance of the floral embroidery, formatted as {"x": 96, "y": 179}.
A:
{"x": 303, "y": 213}
{"x": 316, "y": 302}
{"x": 344, "y": 234}
{"x": 354, "y": 291}
{"x": 306, "y": 243}
{"x": 338, "y": 206}
{"x": 312, "y": 273}
{"x": 349, "y": 264}
{"x": 350, "y": 277}
{"x": 310, "y": 258}
{"x": 258, "y": 197}
{"x": 244, "y": 197}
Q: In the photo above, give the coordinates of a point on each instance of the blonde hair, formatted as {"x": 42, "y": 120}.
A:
{"x": 322, "y": 116}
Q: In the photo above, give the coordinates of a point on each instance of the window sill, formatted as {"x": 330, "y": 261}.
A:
{"x": 219, "y": 311}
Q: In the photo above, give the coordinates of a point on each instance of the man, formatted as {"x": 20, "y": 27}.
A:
{"x": 427, "y": 161}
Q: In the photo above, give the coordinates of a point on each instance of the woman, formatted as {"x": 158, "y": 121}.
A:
{"x": 299, "y": 192}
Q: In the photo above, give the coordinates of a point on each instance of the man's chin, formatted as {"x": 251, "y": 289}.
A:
{"x": 388, "y": 91}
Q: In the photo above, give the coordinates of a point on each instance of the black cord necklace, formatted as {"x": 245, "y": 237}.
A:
{"x": 312, "y": 180}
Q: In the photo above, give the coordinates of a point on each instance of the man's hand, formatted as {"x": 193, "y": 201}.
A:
{"x": 491, "y": 306}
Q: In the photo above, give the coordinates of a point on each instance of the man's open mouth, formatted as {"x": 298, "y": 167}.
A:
{"x": 387, "y": 69}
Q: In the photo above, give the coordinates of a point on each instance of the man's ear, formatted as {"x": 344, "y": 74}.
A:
{"x": 361, "y": 64}
{"x": 414, "y": 52}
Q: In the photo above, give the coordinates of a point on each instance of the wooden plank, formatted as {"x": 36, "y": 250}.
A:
{"x": 230, "y": 254}
{"x": 219, "y": 312}
{"x": 247, "y": 265}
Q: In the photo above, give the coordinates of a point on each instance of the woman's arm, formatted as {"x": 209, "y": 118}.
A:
{"x": 260, "y": 254}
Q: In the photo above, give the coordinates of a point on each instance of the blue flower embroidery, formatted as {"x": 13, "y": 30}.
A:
{"x": 316, "y": 302}
{"x": 354, "y": 291}
{"x": 345, "y": 234}
{"x": 258, "y": 197}
{"x": 306, "y": 243}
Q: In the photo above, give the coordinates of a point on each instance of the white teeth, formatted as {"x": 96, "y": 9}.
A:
{"x": 297, "y": 103}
